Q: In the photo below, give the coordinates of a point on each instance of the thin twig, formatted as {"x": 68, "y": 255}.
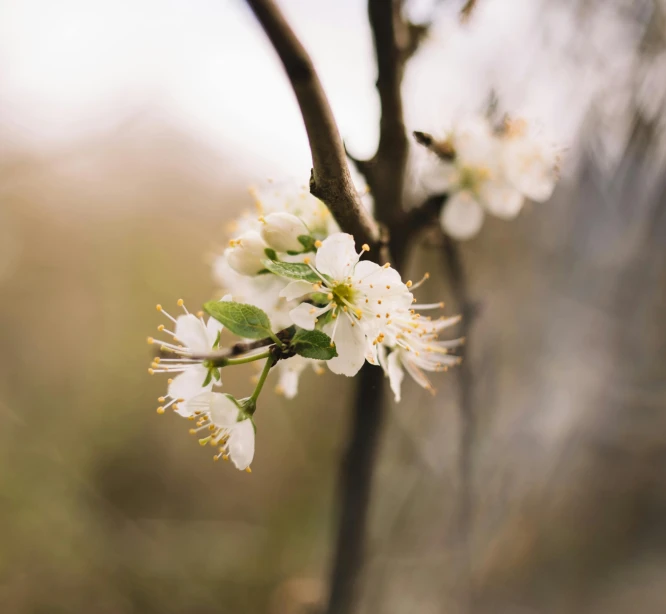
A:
{"x": 330, "y": 180}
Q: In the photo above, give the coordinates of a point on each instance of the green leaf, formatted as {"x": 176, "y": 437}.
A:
{"x": 271, "y": 253}
{"x": 243, "y": 320}
{"x": 307, "y": 242}
{"x": 209, "y": 378}
{"x": 313, "y": 344}
{"x": 292, "y": 270}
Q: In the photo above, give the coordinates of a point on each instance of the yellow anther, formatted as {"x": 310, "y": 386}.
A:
{"x": 160, "y": 327}
{"x": 426, "y": 276}
{"x": 170, "y": 380}
{"x": 151, "y": 371}
{"x": 160, "y": 410}
{"x": 158, "y": 307}
{"x": 306, "y": 260}
{"x": 441, "y": 303}
{"x": 248, "y": 470}
{"x": 409, "y": 284}
{"x": 191, "y": 418}
{"x": 193, "y": 431}
{"x": 387, "y": 265}
{"x": 225, "y": 457}
{"x": 216, "y": 458}
{"x": 200, "y": 314}
{"x": 161, "y": 399}
{"x": 204, "y": 441}
{"x": 156, "y": 360}
{"x": 379, "y": 301}
{"x": 150, "y": 340}
{"x": 329, "y": 296}
{"x": 317, "y": 244}
{"x": 365, "y": 247}
{"x": 180, "y": 302}
{"x": 332, "y": 344}
{"x": 359, "y": 313}
{"x": 379, "y": 315}
{"x": 388, "y": 287}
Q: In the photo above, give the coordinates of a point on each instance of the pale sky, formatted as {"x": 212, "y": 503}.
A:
{"x": 73, "y": 68}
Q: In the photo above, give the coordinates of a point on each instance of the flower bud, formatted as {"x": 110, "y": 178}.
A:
{"x": 281, "y": 232}
{"x": 245, "y": 254}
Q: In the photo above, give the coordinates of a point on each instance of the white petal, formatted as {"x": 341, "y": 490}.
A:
{"x": 350, "y": 344}
{"x": 241, "y": 444}
{"x": 306, "y": 315}
{"x": 337, "y": 256}
{"x": 223, "y": 411}
{"x": 192, "y": 333}
{"x": 501, "y": 199}
{"x": 289, "y": 374}
{"x": 247, "y": 255}
{"x": 461, "y": 216}
{"x": 296, "y": 289}
{"x": 531, "y": 166}
{"x": 199, "y": 403}
{"x": 281, "y": 231}
{"x": 188, "y": 384}
{"x": 395, "y": 374}
{"x": 213, "y": 328}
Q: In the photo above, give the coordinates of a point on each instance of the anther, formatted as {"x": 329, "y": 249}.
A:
{"x": 158, "y": 307}
{"x": 150, "y": 340}
{"x": 317, "y": 244}
{"x": 160, "y": 410}
{"x": 160, "y": 327}
{"x": 180, "y": 302}
{"x": 248, "y": 470}
{"x": 365, "y": 247}
{"x": 151, "y": 371}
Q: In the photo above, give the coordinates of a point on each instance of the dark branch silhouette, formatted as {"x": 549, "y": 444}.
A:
{"x": 330, "y": 180}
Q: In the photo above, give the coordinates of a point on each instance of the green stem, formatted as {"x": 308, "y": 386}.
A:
{"x": 244, "y": 359}
{"x": 275, "y": 338}
{"x": 262, "y": 378}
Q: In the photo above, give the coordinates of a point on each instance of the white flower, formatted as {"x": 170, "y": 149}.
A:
{"x": 360, "y": 296}
{"x": 529, "y": 161}
{"x": 281, "y": 231}
{"x": 415, "y": 348}
{"x": 263, "y": 291}
{"x": 289, "y": 372}
{"x": 227, "y": 425}
{"x": 246, "y": 253}
{"x": 192, "y": 336}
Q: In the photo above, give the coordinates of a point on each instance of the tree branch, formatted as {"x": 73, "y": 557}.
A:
{"x": 330, "y": 180}
{"x": 468, "y": 310}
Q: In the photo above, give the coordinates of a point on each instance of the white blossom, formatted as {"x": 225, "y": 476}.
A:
{"x": 246, "y": 253}
{"x": 192, "y": 336}
{"x": 359, "y": 298}
{"x": 226, "y": 425}
{"x": 289, "y": 372}
{"x": 281, "y": 230}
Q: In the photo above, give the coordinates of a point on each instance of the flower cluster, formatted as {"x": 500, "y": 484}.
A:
{"x": 488, "y": 170}
{"x": 299, "y": 293}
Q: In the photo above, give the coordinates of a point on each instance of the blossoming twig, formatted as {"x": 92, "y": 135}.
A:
{"x": 330, "y": 180}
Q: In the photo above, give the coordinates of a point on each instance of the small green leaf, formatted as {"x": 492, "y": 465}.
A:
{"x": 307, "y": 242}
{"x": 313, "y": 344}
{"x": 243, "y": 320}
{"x": 292, "y": 270}
{"x": 271, "y": 253}
{"x": 209, "y": 378}
{"x": 216, "y": 345}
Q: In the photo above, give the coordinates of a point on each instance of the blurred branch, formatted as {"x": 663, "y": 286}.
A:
{"x": 466, "y": 11}
{"x": 468, "y": 310}
{"x": 330, "y": 180}
{"x": 354, "y": 487}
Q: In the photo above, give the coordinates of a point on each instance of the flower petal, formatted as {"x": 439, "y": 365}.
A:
{"x": 461, "y": 216}
{"x": 241, "y": 444}
{"x": 350, "y": 344}
{"x": 200, "y": 403}
{"x": 306, "y": 315}
{"x": 192, "y": 333}
{"x": 296, "y": 289}
{"x": 501, "y": 199}
{"x": 337, "y": 256}
{"x": 188, "y": 384}
{"x": 289, "y": 374}
{"x": 395, "y": 374}
{"x": 223, "y": 411}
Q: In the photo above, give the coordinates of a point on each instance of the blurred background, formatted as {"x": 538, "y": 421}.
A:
{"x": 129, "y": 134}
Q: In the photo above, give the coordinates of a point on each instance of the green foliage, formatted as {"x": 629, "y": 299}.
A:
{"x": 292, "y": 270}
{"x": 243, "y": 320}
{"x": 313, "y": 344}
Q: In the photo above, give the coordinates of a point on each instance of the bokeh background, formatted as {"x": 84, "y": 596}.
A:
{"x": 129, "y": 133}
